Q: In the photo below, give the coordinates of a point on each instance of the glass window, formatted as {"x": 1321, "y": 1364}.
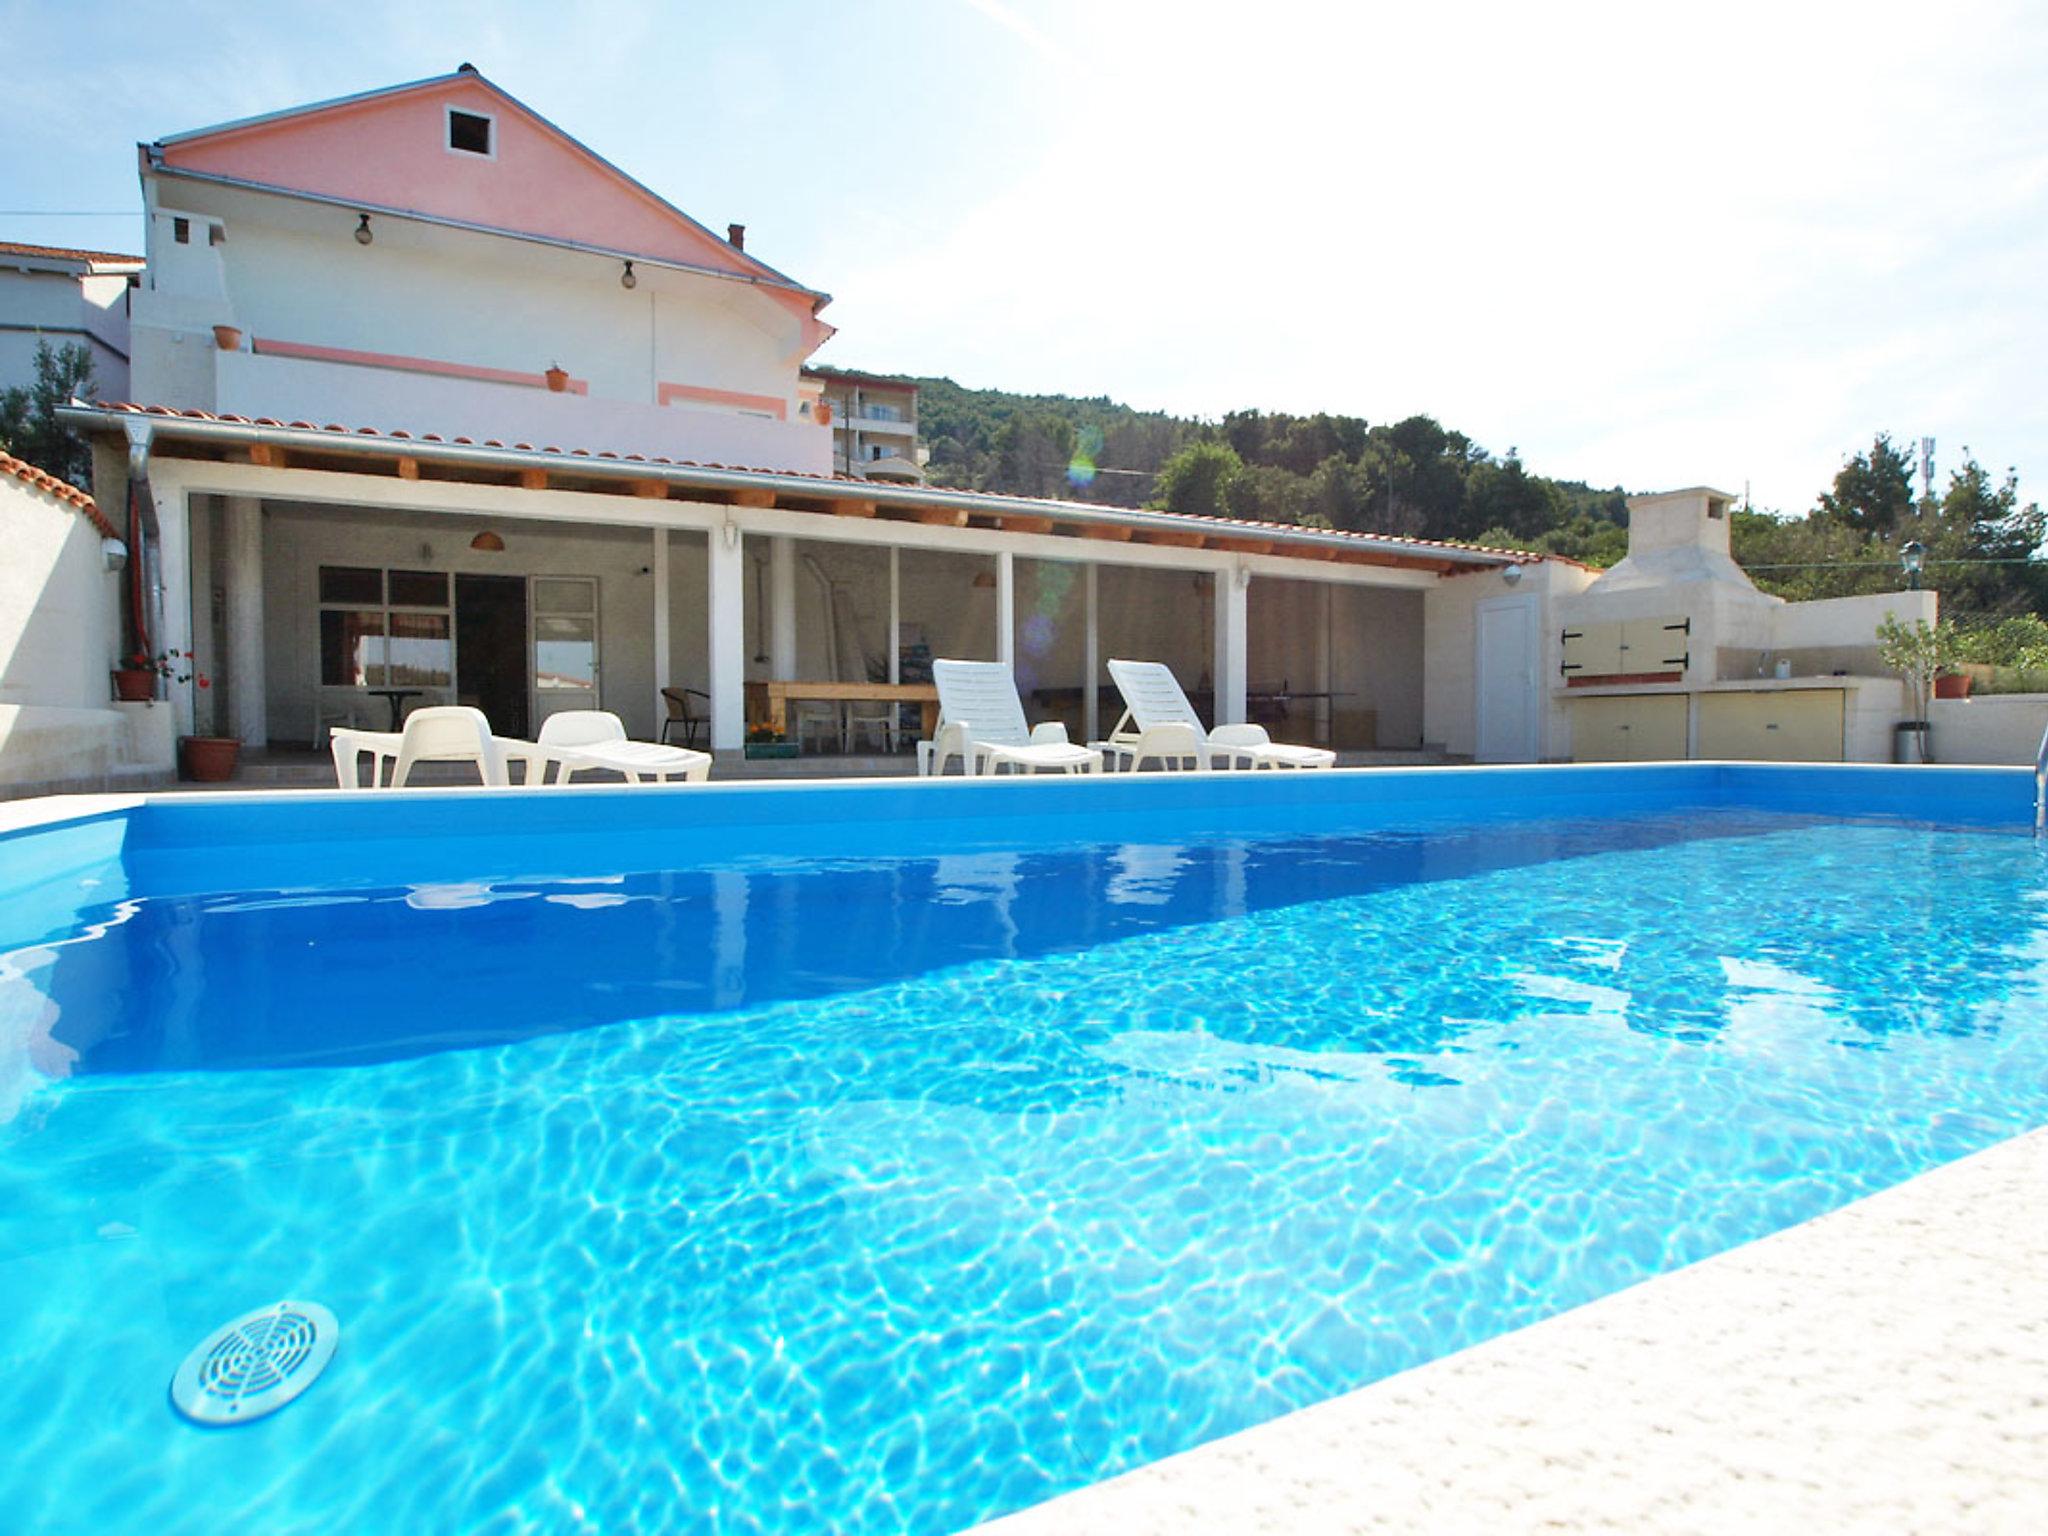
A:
{"x": 562, "y": 596}
{"x": 366, "y": 642}
{"x": 420, "y": 653}
{"x": 348, "y": 584}
{"x": 419, "y": 589}
{"x": 564, "y": 652}
{"x": 351, "y": 648}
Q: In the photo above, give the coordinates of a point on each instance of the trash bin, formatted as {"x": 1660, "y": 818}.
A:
{"x": 1909, "y": 741}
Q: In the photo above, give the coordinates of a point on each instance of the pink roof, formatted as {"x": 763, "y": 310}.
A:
{"x": 388, "y": 150}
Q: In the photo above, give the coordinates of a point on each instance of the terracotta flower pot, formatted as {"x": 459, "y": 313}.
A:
{"x": 558, "y": 379}
{"x": 228, "y": 338}
{"x": 134, "y": 685}
{"x": 209, "y": 759}
{"x": 1955, "y": 685}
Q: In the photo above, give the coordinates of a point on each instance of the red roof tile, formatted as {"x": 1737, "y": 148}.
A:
{"x": 1004, "y": 505}
{"x": 50, "y": 485}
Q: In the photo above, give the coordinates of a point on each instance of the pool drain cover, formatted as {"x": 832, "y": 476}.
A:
{"x": 256, "y": 1364}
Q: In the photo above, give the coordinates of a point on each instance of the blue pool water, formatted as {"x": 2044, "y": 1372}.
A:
{"x": 892, "y": 1194}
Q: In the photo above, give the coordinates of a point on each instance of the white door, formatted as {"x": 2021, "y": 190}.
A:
{"x": 565, "y": 668}
{"x": 1510, "y": 695}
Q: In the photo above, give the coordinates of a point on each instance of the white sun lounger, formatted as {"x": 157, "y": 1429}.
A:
{"x": 579, "y": 739}
{"x": 1160, "y": 725}
{"x": 981, "y": 722}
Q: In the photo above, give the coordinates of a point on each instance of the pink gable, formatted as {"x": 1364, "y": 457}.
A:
{"x": 391, "y": 151}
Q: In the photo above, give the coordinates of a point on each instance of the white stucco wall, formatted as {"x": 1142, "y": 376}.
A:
{"x": 60, "y": 632}
{"x": 60, "y": 638}
{"x": 472, "y": 301}
{"x": 1996, "y": 728}
{"x": 1450, "y": 653}
{"x": 62, "y": 309}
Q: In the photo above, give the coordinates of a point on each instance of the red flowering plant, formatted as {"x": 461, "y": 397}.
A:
{"x": 178, "y": 666}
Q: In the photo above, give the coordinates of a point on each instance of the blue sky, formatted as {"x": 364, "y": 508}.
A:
{"x": 1723, "y": 245}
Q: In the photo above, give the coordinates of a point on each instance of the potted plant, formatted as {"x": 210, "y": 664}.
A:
{"x": 557, "y": 377}
{"x": 135, "y": 678}
{"x": 766, "y": 741}
{"x": 1919, "y": 653}
{"x": 1953, "y": 685}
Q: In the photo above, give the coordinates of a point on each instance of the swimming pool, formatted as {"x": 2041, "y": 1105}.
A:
{"x": 666, "y": 1175}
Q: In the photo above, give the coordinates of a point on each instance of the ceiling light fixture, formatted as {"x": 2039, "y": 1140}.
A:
{"x": 363, "y": 235}
{"x": 627, "y": 279}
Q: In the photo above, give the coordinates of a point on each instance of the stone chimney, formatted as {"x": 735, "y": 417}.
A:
{"x": 736, "y": 234}
{"x": 1676, "y": 537}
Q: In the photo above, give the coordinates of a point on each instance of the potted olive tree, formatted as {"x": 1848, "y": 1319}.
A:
{"x": 1919, "y": 652}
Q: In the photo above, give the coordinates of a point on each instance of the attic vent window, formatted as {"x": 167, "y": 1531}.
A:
{"x": 181, "y": 231}
{"x": 469, "y": 132}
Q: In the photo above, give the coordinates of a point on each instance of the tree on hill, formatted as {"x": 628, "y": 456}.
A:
{"x": 1873, "y": 491}
{"x": 1196, "y": 481}
{"x": 29, "y": 428}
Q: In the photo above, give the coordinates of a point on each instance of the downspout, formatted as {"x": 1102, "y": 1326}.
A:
{"x": 145, "y": 564}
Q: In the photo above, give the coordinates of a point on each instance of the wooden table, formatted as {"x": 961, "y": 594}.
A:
{"x": 768, "y": 702}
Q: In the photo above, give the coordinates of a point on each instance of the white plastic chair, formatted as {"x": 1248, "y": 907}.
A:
{"x": 456, "y": 733}
{"x": 1159, "y": 724}
{"x": 577, "y": 739}
{"x": 349, "y": 746}
{"x": 982, "y": 723}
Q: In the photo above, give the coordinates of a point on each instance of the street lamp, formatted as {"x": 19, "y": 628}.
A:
{"x": 1912, "y": 557}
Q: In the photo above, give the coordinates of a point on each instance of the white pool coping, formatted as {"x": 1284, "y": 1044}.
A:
{"x": 1883, "y": 1368}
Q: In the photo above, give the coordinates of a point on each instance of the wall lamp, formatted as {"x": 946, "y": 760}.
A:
{"x": 1512, "y": 575}
{"x": 1912, "y": 559}
{"x": 627, "y": 279}
{"x": 488, "y": 542}
{"x": 363, "y": 235}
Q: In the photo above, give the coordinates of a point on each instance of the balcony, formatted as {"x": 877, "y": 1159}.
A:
{"x": 870, "y": 425}
{"x": 388, "y": 399}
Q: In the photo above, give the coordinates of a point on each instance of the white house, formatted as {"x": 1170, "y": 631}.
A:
{"x": 65, "y": 298}
{"x": 428, "y": 397}
{"x": 874, "y": 424}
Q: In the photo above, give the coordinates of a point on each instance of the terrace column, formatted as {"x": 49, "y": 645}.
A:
{"x": 728, "y": 618}
{"x": 782, "y": 607}
{"x": 895, "y": 615}
{"x": 244, "y": 660}
{"x": 173, "y": 606}
{"x": 1091, "y": 655}
{"x": 1229, "y": 670}
{"x": 662, "y": 676}
{"x": 1006, "y": 608}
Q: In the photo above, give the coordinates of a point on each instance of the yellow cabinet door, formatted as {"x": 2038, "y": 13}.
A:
{"x": 1797, "y": 725}
{"x": 1629, "y": 728}
{"x": 1632, "y": 648}
{"x": 1592, "y": 650}
{"x": 1655, "y": 645}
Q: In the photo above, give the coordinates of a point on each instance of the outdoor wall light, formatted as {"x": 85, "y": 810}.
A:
{"x": 363, "y": 235}
{"x": 489, "y": 542}
{"x": 1912, "y": 559}
{"x": 113, "y": 554}
{"x": 1512, "y": 575}
{"x": 627, "y": 279}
